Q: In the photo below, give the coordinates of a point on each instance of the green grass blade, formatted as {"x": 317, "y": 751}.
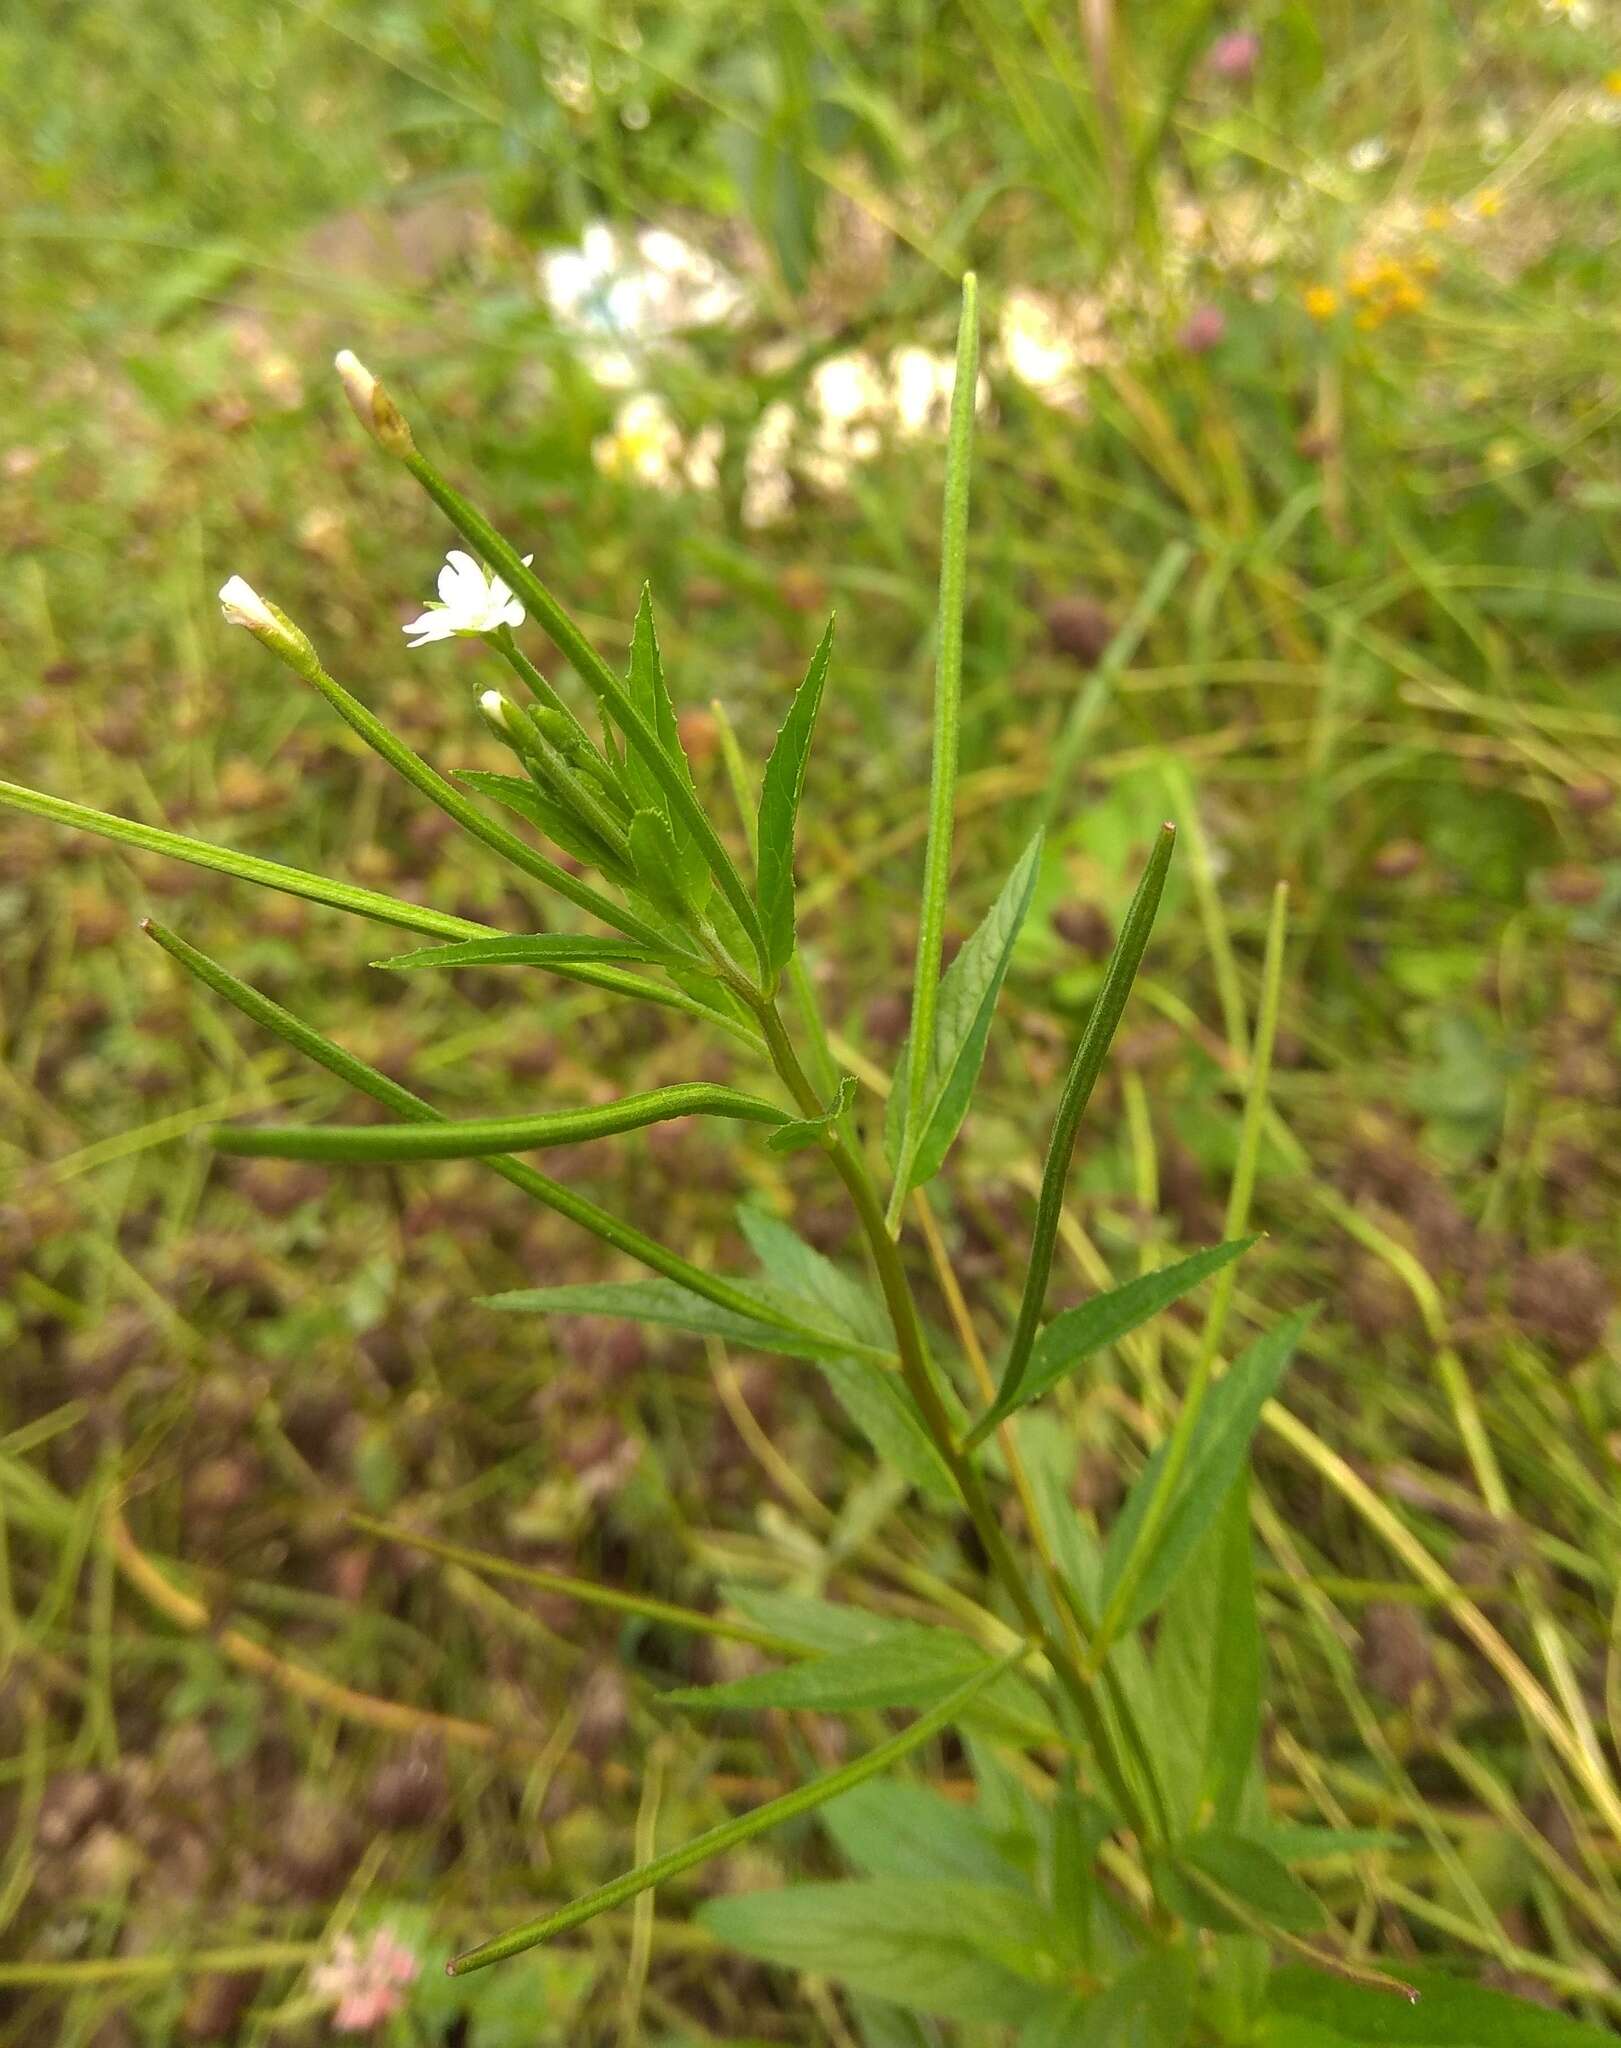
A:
{"x": 303, "y": 1038}
{"x": 588, "y": 1592}
{"x": 484, "y": 1137}
{"x": 243, "y": 867}
{"x": 780, "y": 793}
{"x": 730, "y": 1834}
{"x": 947, "y": 719}
{"x": 488, "y": 831}
{"x": 1082, "y": 1078}
{"x": 604, "y": 685}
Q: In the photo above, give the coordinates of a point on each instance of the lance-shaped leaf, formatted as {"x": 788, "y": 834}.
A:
{"x": 750, "y": 1318}
{"x": 964, "y": 1007}
{"x": 798, "y": 1273}
{"x": 1078, "y": 1085}
{"x": 1217, "y": 1869}
{"x": 1226, "y": 1428}
{"x": 980, "y": 1955}
{"x": 1073, "y": 1337}
{"x": 803, "y": 1131}
{"x": 244, "y": 867}
{"x": 732, "y": 1833}
{"x": 779, "y": 809}
{"x": 906, "y": 1667}
{"x": 880, "y": 1407}
{"x": 526, "y": 949}
{"x": 546, "y": 814}
{"x": 668, "y": 882}
{"x": 483, "y": 1137}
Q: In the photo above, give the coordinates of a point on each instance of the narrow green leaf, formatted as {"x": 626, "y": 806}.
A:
{"x": 604, "y": 685}
{"x": 947, "y": 718}
{"x": 1446, "y": 2011}
{"x": 1082, "y": 1078}
{"x": 1207, "y": 1673}
{"x": 749, "y": 1319}
{"x": 1301, "y": 1842}
{"x": 967, "y": 1952}
{"x": 661, "y": 873}
{"x": 480, "y": 1137}
{"x": 779, "y": 808}
{"x": 903, "y": 1669}
{"x": 803, "y": 1131}
{"x": 880, "y": 1407}
{"x": 806, "y": 1621}
{"x": 539, "y": 808}
{"x": 1219, "y": 1451}
{"x": 1231, "y": 1864}
{"x": 646, "y": 684}
{"x": 799, "y": 1273}
{"x": 526, "y": 949}
{"x": 243, "y": 867}
{"x": 966, "y": 1005}
{"x": 551, "y": 1194}
{"x": 889, "y": 1828}
{"x": 1075, "y": 1335}
{"x": 732, "y": 1834}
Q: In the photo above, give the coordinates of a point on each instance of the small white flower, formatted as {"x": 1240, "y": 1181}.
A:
{"x": 469, "y": 602}
{"x": 243, "y": 606}
{"x": 1368, "y": 154}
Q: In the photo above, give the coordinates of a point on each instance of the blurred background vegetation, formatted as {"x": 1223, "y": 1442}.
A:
{"x": 1296, "y": 516}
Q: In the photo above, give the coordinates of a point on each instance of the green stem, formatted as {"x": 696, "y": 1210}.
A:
{"x": 912, "y": 1351}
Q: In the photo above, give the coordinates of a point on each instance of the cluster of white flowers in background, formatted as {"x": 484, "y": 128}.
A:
{"x": 626, "y": 299}
{"x": 622, "y": 296}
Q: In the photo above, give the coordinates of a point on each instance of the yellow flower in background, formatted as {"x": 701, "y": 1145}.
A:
{"x": 1321, "y": 302}
{"x": 1487, "y": 204}
{"x": 1612, "y": 84}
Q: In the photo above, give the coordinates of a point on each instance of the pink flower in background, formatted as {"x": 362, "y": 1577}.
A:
{"x": 1202, "y": 330}
{"x": 1234, "y": 56}
{"x": 368, "y": 1983}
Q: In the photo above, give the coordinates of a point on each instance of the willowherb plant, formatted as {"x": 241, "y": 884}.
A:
{"x": 1120, "y": 1879}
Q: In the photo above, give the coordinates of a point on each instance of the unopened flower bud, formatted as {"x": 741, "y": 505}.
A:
{"x": 373, "y": 407}
{"x": 496, "y": 712}
{"x": 243, "y": 606}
